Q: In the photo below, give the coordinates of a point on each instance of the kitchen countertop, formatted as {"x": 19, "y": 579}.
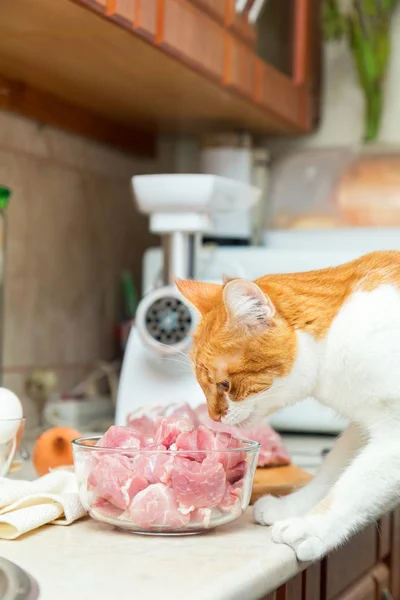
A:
{"x": 91, "y": 560}
{"x": 235, "y": 562}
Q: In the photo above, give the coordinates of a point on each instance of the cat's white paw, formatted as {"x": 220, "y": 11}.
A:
{"x": 269, "y": 510}
{"x": 305, "y": 535}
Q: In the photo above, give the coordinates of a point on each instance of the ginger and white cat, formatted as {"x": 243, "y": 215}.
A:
{"x": 333, "y": 335}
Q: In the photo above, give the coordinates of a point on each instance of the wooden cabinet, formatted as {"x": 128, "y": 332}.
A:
{"x": 215, "y": 8}
{"x": 384, "y": 537}
{"x": 171, "y": 65}
{"x": 292, "y": 590}
{"x": 312, "y": 582}
{"x": 394, "y": 559}
{"x": 366, "y": 568}
{"x": 145, "y": 19}
{"x": 286, "y": 35}
{"x": 240, "y": 67}
{"x": 362, "y": 590}
{"x": 351, "y": 562}
{"x": 121, "y": 9}
{"x": 373, "y": 586}
{"x": 381, "y": 577}
{"x": 192, "y": 36}
{"x": 289, "y": 40}
{"x": 239, "y": 25}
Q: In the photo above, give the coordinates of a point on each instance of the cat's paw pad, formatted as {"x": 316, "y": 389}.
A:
{"x": 268, "y": 510}
{"x": 303, "y": 535}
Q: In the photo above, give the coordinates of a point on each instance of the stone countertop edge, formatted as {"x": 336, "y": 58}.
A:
{"x": 233, "y": 562}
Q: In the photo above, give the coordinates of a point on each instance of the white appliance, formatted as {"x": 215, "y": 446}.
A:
{"x": 157, "y": 374}
{"x": 234, "y": 156}
{"x": 156, "y": 368}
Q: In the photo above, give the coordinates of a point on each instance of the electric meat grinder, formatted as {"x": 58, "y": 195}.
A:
{"x": 181, "y": 208}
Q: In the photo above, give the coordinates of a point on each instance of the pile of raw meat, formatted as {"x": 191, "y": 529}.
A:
{"x": 165, "y": 480}
{"x": 272, "y": 451}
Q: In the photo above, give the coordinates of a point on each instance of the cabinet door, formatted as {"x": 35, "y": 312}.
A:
{"x": 238, "y": 22}
{"x": 364, "y": 589}
{"x": 275, "y": 35}
{"x": 349, "y": 563}
{"x": 292, "y": 589}
{"x": 193, "y": 36}
{"x": 289, "y": 39}
{"x": 146, "y": 17}
{"x": 240, "y": 67}
{"x": 216, "y": 8}
{"x": 395, "y": 556}
{"x": 312, "y": 582}
{"x": 123, "y": 10}
{"x": 382, "y": 582}
{"x": 384, "y": 537}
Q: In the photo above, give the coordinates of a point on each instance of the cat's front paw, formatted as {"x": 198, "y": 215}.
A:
{"x": 269, "y": 510}
{"x": 305, "y": 535}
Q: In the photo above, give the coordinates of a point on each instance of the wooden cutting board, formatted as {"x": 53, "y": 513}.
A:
{"x": 278, "y": 481}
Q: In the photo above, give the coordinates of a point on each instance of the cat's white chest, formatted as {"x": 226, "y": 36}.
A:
{"x": 360, "y": 365}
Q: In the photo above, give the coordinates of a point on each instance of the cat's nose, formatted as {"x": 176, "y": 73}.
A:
{"x": 215, "y": 415}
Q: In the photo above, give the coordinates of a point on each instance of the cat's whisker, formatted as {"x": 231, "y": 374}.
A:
{"x": 178, "y": 360}
{"x": 186, "y": 366}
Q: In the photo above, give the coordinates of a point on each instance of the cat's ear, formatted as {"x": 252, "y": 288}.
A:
{"x": 248, "y": 306}
{"x": 200, "y": 294}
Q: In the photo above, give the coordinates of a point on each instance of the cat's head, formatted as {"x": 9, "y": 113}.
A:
{"x": 242, "y": 347}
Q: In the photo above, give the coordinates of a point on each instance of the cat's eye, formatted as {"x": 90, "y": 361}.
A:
{"x": 223, "y": 386}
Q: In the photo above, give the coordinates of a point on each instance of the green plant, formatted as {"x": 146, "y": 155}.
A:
{"x": 366, "y": 28}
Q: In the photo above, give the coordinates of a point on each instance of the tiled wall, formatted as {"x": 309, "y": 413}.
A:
{"x": 72, "y": 229}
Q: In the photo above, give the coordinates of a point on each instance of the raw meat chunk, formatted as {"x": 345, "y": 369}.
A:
{"x": 232, "y": 499}
{"x": 156, "y": 506}
{"x": 181, "y": 411}
{"x": 272, "y": 451}
{"x": 144, "y": 420}
{"x": 105, "y": 507}
{"x": 164, "y": 467}
{"x": 155, "y": 464}
{"x": 198, "y": 485}
{"x": 236, "y": 473}
{"x": 114, "y": 480}
{"x": 189, "y": 443}
{"x": 143, "y": 425}
{"x": 168, "y": 429}
{"x": 208, "y": 440}
{"x": 203, "y": 516}
{"x": 121, "y": 437}
{"x": 143, "y": 464}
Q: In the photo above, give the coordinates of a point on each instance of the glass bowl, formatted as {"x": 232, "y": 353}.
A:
{"x": 164, "y": 492}
{"x": 11, "y": 431}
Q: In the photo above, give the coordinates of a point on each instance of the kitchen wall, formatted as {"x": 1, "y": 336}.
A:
{"x": 72, "y": 229}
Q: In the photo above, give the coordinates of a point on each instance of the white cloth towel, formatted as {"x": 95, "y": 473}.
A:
{"x": 27, "y": 505}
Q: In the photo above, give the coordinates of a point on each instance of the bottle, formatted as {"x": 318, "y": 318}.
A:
{"x": 5, "y": 195}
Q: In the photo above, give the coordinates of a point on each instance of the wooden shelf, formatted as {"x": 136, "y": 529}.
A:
{"x": 132, "y": 77}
